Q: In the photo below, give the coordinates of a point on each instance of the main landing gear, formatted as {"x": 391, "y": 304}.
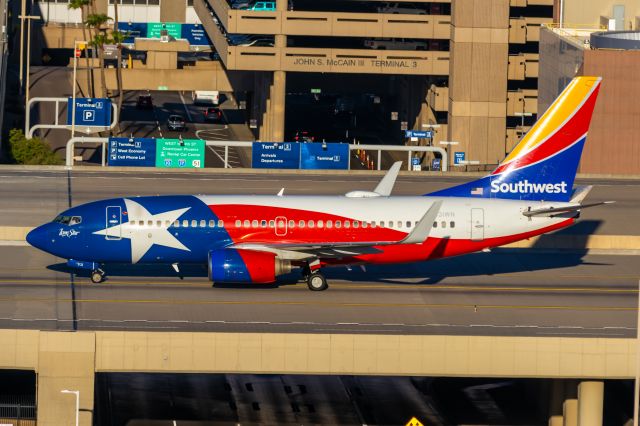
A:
{"x": 97, "y": 276}
{"x": 317, "y": 282}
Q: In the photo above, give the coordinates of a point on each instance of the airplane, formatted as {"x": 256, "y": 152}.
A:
{"x": 258, "y": 238}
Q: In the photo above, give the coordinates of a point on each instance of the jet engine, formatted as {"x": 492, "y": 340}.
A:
{"x": 245, "y": 266}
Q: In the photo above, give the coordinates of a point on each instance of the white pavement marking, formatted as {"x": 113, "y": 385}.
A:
{"x": 184, "y": 104}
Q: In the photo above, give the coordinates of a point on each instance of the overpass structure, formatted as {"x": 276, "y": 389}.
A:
{"x": 64, "y": 360}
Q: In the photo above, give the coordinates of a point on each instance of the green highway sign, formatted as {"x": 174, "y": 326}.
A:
{"x": 173, "y": 29}
{"x": 316, "y": 91}
{"x": 171, "y": 153}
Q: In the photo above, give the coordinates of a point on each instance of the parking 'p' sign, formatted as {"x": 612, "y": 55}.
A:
{"x": 90, "y": 112}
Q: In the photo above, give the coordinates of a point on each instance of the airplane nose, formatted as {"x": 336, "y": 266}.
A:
{"x": 38, "y": 237}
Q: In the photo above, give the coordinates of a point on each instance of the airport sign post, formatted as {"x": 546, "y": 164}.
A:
{"x": 89, "y": 114}
{"x": 179, "y": 153}
{"x": 333, "y": 156}
{"x": 135, "y": 152}
{"x": 275, "y": 155}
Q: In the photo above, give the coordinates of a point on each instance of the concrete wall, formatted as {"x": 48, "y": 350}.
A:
{"x": 581, "y": 13}
{"x": 478, "y": 78}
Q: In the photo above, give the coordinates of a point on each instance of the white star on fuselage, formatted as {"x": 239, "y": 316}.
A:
{"x": 145, "y": 236}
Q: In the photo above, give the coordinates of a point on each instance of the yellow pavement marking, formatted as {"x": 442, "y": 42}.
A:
{"x": 434, "y": 287}
{"x": 320, "y": 304}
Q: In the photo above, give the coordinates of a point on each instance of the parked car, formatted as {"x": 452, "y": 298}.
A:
{"x": 401, "y": 8}
{"x": 303, "y": 136}
{"x": 144, "y": 102}
{"x": 176, "y": 123}
{"x": 240, "y": 4}
{"x": 264, "y": 6}
{"x": 396, "y": 44}
{"x": 214, "y": 115}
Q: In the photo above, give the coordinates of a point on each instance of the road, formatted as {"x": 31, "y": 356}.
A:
{"x": 56, "y": 82}
{"x": 507, "y": 292}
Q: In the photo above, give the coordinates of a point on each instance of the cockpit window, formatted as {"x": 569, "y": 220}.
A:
{"x": 68, "y": 220}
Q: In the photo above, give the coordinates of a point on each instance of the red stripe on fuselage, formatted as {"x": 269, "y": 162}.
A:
{"x": 571, "y": 132}
{"x": 230, "y": 213}
{"x": 435, "y": 248}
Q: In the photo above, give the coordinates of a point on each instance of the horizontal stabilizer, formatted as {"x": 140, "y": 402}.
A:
{"x": 553, "y": 211}
{"x": 580, "y": 193}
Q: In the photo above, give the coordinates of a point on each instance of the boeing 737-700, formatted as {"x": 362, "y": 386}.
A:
{"x": 255, "y": 239}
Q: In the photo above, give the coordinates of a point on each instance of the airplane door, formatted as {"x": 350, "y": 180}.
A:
{"x": 477, "y": 224}
{"x": 281, "y": 226}
{"x": 113, "y": 219}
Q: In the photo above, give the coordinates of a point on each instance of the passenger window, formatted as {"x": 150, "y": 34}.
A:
{"x": 194, "y": 223}
{"x": 365, "y": 224}
{"x": 238, "y": 223}
{"x": 254, "y": 223}
{"x": 247, "y": 223}
{"x": 452, "y": 224}
{"x": 301, "y": 224}
{"x": 311, "y": 224}
{"x": 203, "y": 223}
{"x": 356, "y": 224}
{"x": 185, "y": 223}
{"x": 263, "y": 223}
{"x": 338, "y": 224}
{"x": 281, "y": 223}
{"x": 212, "y": 223}
{"x": 272, "y": 224}
{"x": 444, "y": 224}
{"x": 220, "y": 223}
{"x": 292, "y": 224}
{"x": 150, "y": 223}
{"x": 382, "y": 223}
{"x": 390, "y": 224}
{"x": 399, "y": 224}
{"x": 167, "y": 223}
{"x": 329, "y": 224}
{"x": 373, "y": 224}
{"x": 435, "y": 224}
{"x": 176, "y": 224}
{"x": 141, "y": 223}
{"x": 408, "y": 224}
{"x": 320, "y": 224}
{"x": 347, "y": 224}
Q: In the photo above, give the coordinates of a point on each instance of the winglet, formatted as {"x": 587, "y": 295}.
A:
{"x": 385, "y": 186}
{"x": 281, "y": 192}
{"x": 423, "y": 228}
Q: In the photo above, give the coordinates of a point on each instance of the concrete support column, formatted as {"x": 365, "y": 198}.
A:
{"x": 556, "y": 421}
{"x": 66, "y": 361}
{"x": 173, "y": 11}
{"x": 277, "y": 98}
{"x": 570, "y": 412}
{"x": 478, "y": 78}
{"x": 590, "y": 403}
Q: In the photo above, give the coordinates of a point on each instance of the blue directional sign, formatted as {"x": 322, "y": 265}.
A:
{"x": 324, "y": 156}
{"x": 133, "y": 30}
{"x": 90, "y": 112}
{"x": 137, "y": 152}
{"x": 436, "y": 164}
{"x": 418, "y": 133}
{"x": 195, "y": 34}
{"x": 275, "y": 155}
{"x": 458, "y": 157}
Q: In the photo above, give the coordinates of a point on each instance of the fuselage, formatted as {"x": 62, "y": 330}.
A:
{"x": 185, "y": 228}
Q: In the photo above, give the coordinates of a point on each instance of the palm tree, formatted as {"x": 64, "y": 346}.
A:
{"x": 83, "y": 6}
{"x": 97, "y": 22}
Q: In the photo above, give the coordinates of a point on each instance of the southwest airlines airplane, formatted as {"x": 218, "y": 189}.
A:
{"x": 255, "y": 239}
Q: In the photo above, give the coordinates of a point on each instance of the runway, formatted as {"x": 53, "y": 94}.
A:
{"x": 506, "y": 292}
{"x": 509, "y": 292}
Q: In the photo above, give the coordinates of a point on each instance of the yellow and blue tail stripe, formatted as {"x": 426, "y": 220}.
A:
{"x": 544, "y": 164}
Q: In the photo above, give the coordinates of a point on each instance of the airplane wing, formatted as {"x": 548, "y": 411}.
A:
{"x": 554, "y": 211}
{"x": 304, "y": 251}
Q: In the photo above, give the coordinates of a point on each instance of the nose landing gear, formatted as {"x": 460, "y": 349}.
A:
{"x": 97, "y": 276}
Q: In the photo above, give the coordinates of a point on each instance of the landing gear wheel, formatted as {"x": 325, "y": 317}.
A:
{"x": 317, "y": 282}
{"x": 97, "y": 276}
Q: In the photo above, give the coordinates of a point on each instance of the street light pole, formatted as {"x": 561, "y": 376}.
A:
{"x": 26, "y": 89}
{"x": 78, "y": 46}
{"x": 22, "y": 15}
{"x": 77, "y": 394}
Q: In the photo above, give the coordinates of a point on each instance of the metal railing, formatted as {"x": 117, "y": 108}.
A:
{"x": 410, "y": 150}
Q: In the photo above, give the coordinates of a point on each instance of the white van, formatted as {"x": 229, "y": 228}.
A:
{"x": 211, "y": 97}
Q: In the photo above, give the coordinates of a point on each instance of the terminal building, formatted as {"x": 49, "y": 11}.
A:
{"x": 470, "y": 66}
{"x": 467, "y": 70}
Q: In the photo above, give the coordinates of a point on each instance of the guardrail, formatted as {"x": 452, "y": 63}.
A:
{"x": 410, "y": 150}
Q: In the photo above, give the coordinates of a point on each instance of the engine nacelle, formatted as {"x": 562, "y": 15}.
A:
{"x": 245, "y": 266}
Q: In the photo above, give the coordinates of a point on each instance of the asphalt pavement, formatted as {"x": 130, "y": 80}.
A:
{"x": 506, "y": 292}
